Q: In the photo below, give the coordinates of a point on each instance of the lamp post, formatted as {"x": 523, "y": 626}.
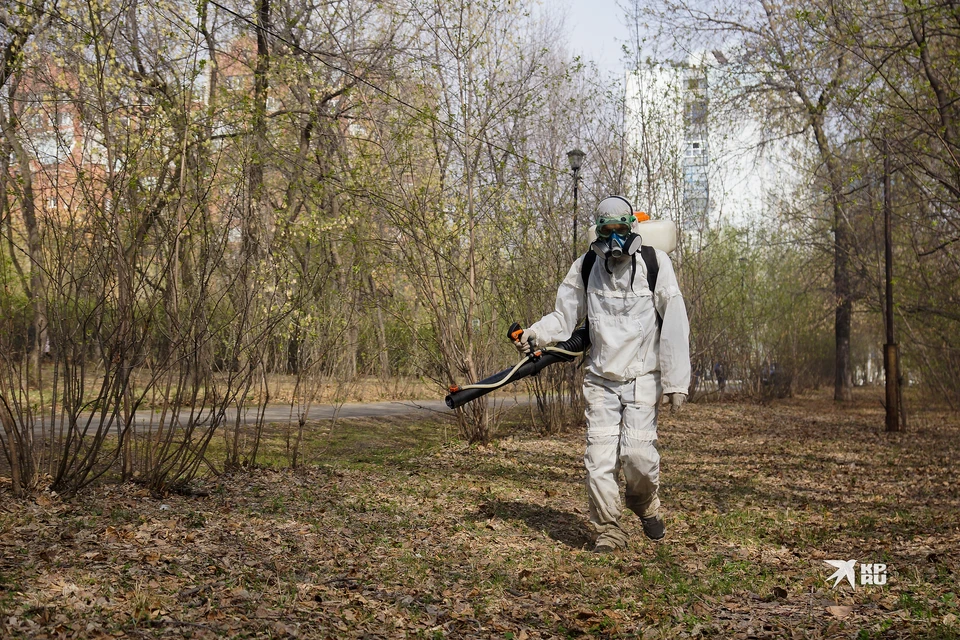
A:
{"x": 575, "y": 158}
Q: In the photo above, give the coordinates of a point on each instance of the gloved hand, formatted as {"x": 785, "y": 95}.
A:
{"x": 527, "y": 342}
{"x": 676, "y": 401}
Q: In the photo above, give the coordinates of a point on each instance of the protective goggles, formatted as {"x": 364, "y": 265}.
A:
{"x": 620, "y": 225}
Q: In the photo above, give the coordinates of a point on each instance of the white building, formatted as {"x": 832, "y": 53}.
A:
{"x": 702, "y": 157}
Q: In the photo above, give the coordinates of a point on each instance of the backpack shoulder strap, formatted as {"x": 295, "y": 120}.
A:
{"x": 649, "y": 255}
{"x": 589, "y": 259}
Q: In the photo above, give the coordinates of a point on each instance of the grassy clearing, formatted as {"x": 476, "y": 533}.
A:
{"x": 353, "y": 442}
{"x": 395, "y": 531}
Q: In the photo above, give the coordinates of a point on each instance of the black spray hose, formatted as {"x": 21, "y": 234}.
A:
{"x": 565, "y": 351}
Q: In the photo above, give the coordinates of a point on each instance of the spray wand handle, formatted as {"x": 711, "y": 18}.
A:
{"x": 515, "y": 331}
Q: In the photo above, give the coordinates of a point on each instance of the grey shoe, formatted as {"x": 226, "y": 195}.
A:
{"x": 604, "y": 546}
{"x": 607, "y": 544}
{"x": 653, "y": 527}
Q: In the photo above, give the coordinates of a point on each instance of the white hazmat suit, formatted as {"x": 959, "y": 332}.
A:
{"x": 631, "y": 363}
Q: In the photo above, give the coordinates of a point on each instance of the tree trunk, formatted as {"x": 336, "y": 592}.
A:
{"x": 842, "y": 286}
{"x": 254, "y": 214}
{"x": 381, "y": 331}
{"x": 348, "y": 344}
{"x": 843, "y": 382}
{"x": 13, "y": 450}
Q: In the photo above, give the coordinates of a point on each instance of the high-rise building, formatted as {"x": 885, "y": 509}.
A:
{"x": 703, "y": 158}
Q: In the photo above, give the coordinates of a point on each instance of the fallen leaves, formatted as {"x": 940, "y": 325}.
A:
{"x": 481, "y": 542}
{"x": 839, "y": 611}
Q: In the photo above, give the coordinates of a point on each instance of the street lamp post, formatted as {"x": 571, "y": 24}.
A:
{"x": 575, "y": 158}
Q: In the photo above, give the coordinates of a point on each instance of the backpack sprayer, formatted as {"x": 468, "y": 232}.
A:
{"x": 565, "y": 351}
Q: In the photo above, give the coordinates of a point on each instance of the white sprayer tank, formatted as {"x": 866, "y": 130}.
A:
{"x": 659, "y": 234}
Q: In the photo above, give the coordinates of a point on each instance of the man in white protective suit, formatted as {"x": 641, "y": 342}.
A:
{"x": 639, "y": 352}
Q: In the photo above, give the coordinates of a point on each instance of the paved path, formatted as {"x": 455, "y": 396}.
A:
{"x": 358, "y": 410}
{"x": 282, "y": 414}
{"x": 377, "y": 409}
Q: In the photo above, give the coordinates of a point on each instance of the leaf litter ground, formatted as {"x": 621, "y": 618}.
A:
{"x": 478, "y": 542}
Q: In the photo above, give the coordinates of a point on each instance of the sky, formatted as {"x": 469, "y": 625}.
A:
{"x": 595, "y": 30}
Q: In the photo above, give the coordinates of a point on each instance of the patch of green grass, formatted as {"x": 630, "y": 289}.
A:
{"x": 940, "y": 632}
{"x": 365, "y": 444}
{"x": 717, "y": 561}
{"x": 120, "y": 515}
{"x": 866, "y": 523}
{"x": 195, "y": 519}
{"x": 603, "y": 626}
{"x": 917, "y": 607}
{"x": 7, "y": 593}
{"x": 276, "y": 504}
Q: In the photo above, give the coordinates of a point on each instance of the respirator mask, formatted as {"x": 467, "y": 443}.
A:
{"x": 615, "y": 238}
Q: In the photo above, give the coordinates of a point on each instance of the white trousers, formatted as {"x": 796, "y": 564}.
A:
{"x": 621, "y": 434}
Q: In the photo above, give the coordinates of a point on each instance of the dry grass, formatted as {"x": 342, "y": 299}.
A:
{"x": 280, "y": 389}
{"x": 365, "y": 389}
